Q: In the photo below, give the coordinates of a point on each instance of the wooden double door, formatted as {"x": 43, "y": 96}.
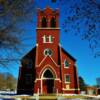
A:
{"x": 48, "y": 86}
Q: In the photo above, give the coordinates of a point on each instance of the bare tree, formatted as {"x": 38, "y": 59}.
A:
{"x": 13, "y": 12}
{"x": 83, "y": 16}
{"x": 2, "y": 81}
{"x": 7, "y": 81}
{"x": 11, "y": 82}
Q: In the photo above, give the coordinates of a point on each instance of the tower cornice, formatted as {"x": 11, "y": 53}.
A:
{"x": 48, "y": 28}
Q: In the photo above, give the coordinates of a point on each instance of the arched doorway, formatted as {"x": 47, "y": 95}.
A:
{"x": 48, "y": 81}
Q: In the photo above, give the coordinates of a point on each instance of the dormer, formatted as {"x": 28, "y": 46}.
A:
{"x": 48, "y": 18}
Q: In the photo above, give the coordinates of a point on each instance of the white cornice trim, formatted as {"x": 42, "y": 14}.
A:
{"x": 59, "y": 45}
{"x": 58, "y": 79}
{"x": 37, "y": 44}
{"x": 37, "y": 79}
{"x": 67, "y": 82}
{"x": 36, "y": 54}
{"x": 69, "y": 89}
{"x": 47, "y": 28}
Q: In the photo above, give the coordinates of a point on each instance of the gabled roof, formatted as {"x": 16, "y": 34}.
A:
{"x": 68, "y": 54}
{"x": 31, "y": 53}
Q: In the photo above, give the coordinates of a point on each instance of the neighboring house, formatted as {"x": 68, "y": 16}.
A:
{"x": 48, "y": 68}
{"x": 91, "y": 90}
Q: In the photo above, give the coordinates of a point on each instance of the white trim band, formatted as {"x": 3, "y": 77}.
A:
{"x": 69, "y": 89}
{"x": 47, "y": 28}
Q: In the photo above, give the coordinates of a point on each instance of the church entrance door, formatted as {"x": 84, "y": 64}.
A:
{"x": 48, "y": 81}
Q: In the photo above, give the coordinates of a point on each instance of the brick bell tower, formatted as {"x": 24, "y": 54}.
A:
{"x": 48, "y": 77}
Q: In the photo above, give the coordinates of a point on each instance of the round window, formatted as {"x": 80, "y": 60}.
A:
{"x": 47, "y": 52}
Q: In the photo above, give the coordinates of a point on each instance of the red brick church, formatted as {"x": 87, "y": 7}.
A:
{"x": 48, "y": 68}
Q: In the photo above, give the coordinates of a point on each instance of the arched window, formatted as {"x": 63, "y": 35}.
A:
{"x": 66, "y": 64}
{"x": 53, "y": 22}
{"x": 44, "y": 22}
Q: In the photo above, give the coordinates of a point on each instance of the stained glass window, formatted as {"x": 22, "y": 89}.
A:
{"x": 66, "y": 64}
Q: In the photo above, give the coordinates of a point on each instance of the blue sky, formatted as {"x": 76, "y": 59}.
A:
{"x": 88, "y": 66}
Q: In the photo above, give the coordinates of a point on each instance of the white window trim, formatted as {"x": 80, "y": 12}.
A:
{"x": 65, "y": 65}
{"x": 49, "y": 39}
{"x": 65, "y": 78}
{"x": 44, "y": 39}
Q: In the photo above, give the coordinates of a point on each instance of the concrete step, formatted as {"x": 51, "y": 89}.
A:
{"x": 48, "y": 97}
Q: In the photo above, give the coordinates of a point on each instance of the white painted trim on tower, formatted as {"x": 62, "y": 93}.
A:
{"x": 54, "y": 61}
{"x": 61, "y": 65}
{"x": 51, "y": 59}
{"x": 41, "y": 87}
{"x": 42, "y": 60}
{"x": 37, "y": 44}
{"x": 47, "y": 28}
{"x": 36, "y": 54}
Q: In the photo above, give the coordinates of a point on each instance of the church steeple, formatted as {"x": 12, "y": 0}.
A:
{"x": 48, "y": 32}
{"x": 48, "y": 26}
{"x": 48, "y": 18}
